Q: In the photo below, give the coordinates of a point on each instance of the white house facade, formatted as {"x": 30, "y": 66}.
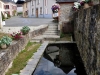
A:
{"x": 40, "y": 8}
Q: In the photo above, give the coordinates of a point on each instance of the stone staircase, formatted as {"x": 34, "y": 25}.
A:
{"x": 50, "y": 34}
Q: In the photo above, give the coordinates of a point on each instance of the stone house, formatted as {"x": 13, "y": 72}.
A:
{"x": 64, "y": 13}
{"x": 10, "y": 8}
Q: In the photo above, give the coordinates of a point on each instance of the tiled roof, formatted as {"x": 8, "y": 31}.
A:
{"x": 58, "y": 1}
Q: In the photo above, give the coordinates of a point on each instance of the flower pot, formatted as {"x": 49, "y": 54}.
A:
{"x": 86, "y": 5}
{"x": 3, "y": 23}
{"x": 3, "y": 46}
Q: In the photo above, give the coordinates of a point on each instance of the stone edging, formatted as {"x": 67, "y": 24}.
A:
{"x": 33, "y": 62}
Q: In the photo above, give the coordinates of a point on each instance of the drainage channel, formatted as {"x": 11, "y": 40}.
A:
{"x": 60, "y": 59}
{"x": 46, "y": 67}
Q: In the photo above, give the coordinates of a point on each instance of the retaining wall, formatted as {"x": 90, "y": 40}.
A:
{"x": 7, "y": 55}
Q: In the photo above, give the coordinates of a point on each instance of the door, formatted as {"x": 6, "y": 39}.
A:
{"x": 37, "y": 12}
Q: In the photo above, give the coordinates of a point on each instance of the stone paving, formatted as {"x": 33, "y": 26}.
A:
{"x": 19, "y": 21}
{"x": 14, "y": 24}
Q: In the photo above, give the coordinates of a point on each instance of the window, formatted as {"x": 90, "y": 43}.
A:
{"x": 46, "y": 2}
{"x": 40, "y": 10}
{"x": 38, "y": 2}
{"x": 32, "y": 11}
{"x": 32, "y": 3}
{"x": 6, "y": 6}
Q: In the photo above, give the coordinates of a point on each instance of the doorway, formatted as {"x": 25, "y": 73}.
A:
{"x": 36, "y": 12}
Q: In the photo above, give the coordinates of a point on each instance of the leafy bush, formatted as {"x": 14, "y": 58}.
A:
{"x": 62, "y": 35}
{"x": 5, "y": 40}
{"x": 14, "y": 13}
{"x": 19, "y": 13}
{"x": 8, "y": 16}
{"x": 3, "y": 17}
{"x": 25, "y": 30}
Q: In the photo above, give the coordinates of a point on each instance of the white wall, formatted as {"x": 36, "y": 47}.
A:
{"x": 46, "y": 10}
{"x": 19, "y": 9}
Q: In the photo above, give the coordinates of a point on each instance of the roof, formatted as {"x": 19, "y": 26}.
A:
{"x": 22, "y": 1}
{"x": 61, "y": 1}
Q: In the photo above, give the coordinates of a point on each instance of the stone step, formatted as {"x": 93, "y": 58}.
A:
{"x": 44, "y": 37}
{"x": 50, "y": 34}
{"x": 51, "y": 31}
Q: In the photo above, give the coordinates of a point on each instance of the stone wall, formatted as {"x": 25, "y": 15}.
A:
{"x": 64, "y": 14}
{"x": 87, "y": 36}
{"x": 7, "y": 55}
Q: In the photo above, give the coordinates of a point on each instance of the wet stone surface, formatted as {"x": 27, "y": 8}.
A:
{"x": 46, "y": 67}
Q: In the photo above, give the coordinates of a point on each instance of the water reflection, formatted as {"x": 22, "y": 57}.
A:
{"x": 46, "y": 67}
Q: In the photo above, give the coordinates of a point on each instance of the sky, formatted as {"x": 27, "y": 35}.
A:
{"x": 15, "y": 0}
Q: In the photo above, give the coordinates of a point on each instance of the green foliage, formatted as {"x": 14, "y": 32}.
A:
{"x": 8, "y": 16}
{"x": 5, "y": 40}
{"x": 87, "y": 1}
{"x": 14, "y": 12}
{"x": 25, "y": 30}
{"x": 62, "y": 35}
{"x": 3, "y": 17}
{"x": 19, "y": 13}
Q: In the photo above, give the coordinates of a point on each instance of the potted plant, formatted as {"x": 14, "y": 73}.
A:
{"x": 86, "y": 3}
{"x": 55, "y": 8}
{"x": 83, "y": 3}
{"x": 25, "y": 30}
{"x": 16, "y": 35}
{"x": 5, "y": 41}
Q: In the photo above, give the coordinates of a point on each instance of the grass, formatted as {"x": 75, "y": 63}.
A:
{"x": 21, "y": 60}
{"x": 65, "y": 37}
